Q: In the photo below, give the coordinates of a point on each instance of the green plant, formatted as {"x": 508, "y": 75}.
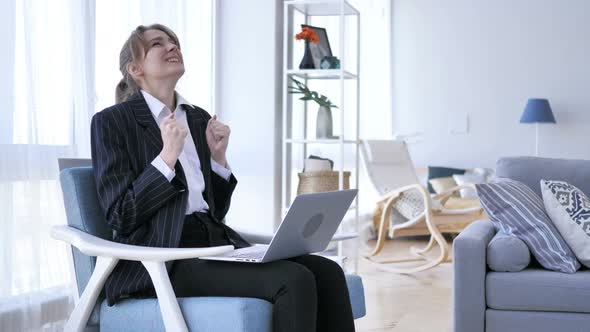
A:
{"x": 301, "y": 88}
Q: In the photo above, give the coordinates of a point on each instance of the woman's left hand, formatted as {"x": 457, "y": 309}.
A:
{"x": 217, "y": 140}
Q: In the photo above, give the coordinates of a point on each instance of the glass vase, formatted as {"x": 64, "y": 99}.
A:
{"x": 324, "y": 123}
{"x": 307, "y": 61}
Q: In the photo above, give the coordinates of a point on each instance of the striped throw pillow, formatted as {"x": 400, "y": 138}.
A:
{"x": 516, "y": 209}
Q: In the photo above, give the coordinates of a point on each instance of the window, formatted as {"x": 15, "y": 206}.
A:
{"x": 63, "y": 58}
{"x": 43, "y": 108}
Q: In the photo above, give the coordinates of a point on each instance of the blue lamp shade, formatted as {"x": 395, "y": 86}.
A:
{"x": 537, "y": 110}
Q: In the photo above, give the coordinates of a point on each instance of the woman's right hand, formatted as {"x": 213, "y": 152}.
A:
{"x": 173, "y": 136}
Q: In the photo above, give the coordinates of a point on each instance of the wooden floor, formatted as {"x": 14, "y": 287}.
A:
{"x": 408, "y": 303}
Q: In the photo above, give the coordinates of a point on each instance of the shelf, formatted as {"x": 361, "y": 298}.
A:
{"x": 345, "y": 80}
{"x": 326, "y": 74}
{"x": 320, "y": 141}
{"x": 322, "y": 7}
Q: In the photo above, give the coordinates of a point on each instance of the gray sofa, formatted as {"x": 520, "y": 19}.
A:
{"x": 533, "y": 299}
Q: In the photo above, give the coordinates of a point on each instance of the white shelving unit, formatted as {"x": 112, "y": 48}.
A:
{"x": 343, "y": 12}
{"x": 325, "y": 74}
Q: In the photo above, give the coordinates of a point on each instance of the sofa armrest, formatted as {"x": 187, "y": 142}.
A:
{"x": 469, "y": 272}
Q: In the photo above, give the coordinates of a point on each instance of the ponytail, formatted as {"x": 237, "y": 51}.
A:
{"x": 124, "y": 91}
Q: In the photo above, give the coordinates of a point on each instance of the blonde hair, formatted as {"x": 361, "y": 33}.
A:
{"x": 134, "y": 49}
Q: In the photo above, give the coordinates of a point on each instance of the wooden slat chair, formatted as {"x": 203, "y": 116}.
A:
{"x": 392, "y": 172}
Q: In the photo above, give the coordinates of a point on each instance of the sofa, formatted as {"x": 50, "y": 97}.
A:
{"x": 533, "y": 299}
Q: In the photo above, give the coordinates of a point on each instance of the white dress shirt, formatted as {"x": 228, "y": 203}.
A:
{"x": 189, "y": 159}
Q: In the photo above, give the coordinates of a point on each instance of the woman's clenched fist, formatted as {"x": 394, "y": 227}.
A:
{"x": 173, "y": 136}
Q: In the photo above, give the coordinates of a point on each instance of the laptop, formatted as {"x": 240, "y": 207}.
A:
{"x": 308, "y": 227}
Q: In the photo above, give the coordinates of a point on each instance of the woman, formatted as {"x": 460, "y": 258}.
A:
{"x": 163, "y": 181}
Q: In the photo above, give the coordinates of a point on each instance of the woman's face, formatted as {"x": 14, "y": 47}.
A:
{"x": 163, "y": 59}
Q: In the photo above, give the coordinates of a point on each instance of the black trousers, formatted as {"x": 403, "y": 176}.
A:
{"x": 308, "y": 293}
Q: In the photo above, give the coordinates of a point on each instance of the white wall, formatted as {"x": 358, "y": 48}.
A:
{"x": 248, "y": 63}
{"x": 485, "y": 59}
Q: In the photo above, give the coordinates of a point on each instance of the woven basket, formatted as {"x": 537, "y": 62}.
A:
{"x": 315, "y": 182}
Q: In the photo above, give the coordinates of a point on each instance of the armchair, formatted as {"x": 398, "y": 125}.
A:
{"x": 392, "y": 173}
{"x": 88, "y": 234}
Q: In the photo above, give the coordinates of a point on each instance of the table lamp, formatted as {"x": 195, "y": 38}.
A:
{"x": 537, "y": 111}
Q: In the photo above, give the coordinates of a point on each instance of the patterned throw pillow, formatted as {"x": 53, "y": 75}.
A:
{"x": 569, "y": 209}
{"x": 516, "y": 209}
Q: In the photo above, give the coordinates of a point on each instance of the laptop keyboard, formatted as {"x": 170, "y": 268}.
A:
{"x": 256, "y": 252}
{"x": 252, "y": 255}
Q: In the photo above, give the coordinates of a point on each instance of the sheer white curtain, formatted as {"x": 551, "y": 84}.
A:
{"x": 59, "y": 65}
{"x": 46, "y": 116}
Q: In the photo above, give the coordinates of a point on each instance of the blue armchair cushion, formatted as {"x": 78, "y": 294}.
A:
{"x": 515, "y": 209}
{"x": 507, "y": 253}
{"x": 202, "y": 314}
{"x": 211, "y": 314}
{"x": 356, "y": 292}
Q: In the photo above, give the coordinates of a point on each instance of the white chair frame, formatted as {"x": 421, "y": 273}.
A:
{"x": 108, "y": 253}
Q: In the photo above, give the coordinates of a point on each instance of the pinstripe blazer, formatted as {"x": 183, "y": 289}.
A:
{"x": 141, "y": 205}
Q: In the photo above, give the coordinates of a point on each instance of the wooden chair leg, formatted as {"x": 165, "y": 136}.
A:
{"x": 385, "y": 217}
{"x": 422, "y": 251}
{"x": 435, "y": 238}
{"x": 384, "y": 265}
{"x": 438, "y": 237}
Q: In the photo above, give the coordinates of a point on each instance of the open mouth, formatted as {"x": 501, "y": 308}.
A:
{"x": 173, "y": 60}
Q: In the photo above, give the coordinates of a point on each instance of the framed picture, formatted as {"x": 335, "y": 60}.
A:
{"x": 322, "y": 48}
